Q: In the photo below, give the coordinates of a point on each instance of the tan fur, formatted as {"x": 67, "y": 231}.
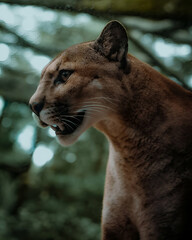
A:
{"x": 147, "y": 119}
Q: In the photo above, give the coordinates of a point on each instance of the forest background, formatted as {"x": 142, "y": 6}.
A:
{"x": 49, "y": 192}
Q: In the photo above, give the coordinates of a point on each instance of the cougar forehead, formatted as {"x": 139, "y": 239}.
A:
{"x": 75, "y": 57}
{"x": 85, "y": 61}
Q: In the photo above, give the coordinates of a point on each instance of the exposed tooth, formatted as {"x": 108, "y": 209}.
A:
{"x": 58, "y": 127}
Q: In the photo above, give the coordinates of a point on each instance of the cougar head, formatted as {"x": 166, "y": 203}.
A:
{"x": 80, "y": 87}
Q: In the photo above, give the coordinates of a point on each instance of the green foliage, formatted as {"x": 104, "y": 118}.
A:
{"x": 61, "y": 200}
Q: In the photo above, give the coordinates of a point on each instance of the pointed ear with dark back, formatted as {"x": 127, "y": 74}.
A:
{"x": 113, "y": 43}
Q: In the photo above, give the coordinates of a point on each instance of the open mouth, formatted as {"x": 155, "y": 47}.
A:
{"x": 71, "y": 123}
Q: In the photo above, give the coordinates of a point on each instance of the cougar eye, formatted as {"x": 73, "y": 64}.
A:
{"x": 66, "y": 73}
{"x": 63, "y": 76}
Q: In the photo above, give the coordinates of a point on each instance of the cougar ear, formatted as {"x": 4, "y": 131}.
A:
{"x": 113, "y": 43}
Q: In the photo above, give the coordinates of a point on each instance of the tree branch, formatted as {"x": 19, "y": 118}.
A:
{"x": 26, "y": 43}
{"x": 156, "y": 60}
{"x": 163, "y": 28}
{"x": 154, "y": 9}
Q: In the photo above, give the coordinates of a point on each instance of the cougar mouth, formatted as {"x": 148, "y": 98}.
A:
{"x": 71, "y": 123}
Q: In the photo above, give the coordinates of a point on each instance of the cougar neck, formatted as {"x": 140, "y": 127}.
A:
{"x": 141, "y": 107}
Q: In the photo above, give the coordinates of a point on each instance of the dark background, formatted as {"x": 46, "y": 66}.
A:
{"x": 48, "y": 192}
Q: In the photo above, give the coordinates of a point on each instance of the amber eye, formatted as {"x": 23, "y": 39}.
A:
{"x": 63, "y": 76}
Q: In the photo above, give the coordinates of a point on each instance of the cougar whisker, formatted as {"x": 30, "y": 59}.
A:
{"x": 105, "y": 98}
{"x": 64, "y": 120}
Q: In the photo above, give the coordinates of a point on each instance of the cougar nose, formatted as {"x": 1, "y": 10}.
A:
{"x": 36, "y": 107}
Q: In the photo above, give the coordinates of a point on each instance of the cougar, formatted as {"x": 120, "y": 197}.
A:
{"x": 147, "y": 119}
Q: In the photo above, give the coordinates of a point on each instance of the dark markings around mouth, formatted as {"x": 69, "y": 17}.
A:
{"x": 71, "y": 123}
